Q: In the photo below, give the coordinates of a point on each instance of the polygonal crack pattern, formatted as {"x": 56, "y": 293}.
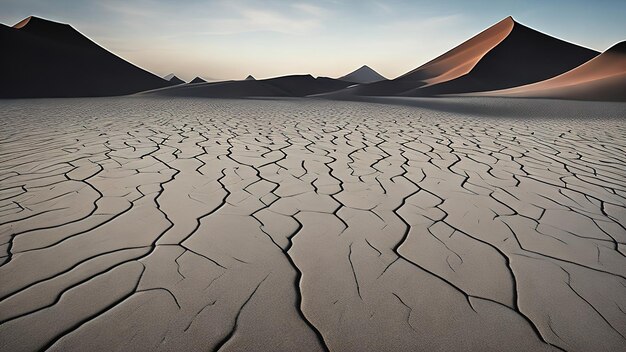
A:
{"x": 154, "y": 224}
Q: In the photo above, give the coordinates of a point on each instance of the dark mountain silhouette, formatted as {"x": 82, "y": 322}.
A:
{"x": 250, "y": 78}
{"x": 42, "y": 58}
{"x": 173, "y": 79}
{"x": 286, "y": 86}
{"x": 364, "y": 74}
{"x": 507, "y": 54}
{"x": 601, "y": 78}
{"x": 197, "y": 80}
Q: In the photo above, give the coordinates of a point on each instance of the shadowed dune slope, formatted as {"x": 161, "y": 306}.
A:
{"x": 286, "y": 86}
{"x": 42, "y": 58}
{"x": 226, "y": 89}
{"x": 364, "y": 74}
{"x": 602, "y": 78}
{"x": 523, "y": 56}
{"x": 460, "y": 60}
{"x": 507, "y": 54}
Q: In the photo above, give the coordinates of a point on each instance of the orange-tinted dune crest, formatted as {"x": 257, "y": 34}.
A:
{"x": 507, "y": 54}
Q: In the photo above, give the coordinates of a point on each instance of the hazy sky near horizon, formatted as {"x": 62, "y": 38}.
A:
{"x": 229, "y": 39}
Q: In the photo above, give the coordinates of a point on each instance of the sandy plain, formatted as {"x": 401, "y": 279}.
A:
{"x": 181, "y": 224}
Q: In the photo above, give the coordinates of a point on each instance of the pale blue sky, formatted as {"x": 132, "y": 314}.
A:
{"x": 233, "y": 38}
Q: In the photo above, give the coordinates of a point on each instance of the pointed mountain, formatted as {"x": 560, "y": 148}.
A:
{"x": 364, "y": 74}
{"x": 507, "y": 54}
{"x": 250, "y": 78}
{"x": 197, "y": 80}
{"x": 601, "y": 78}
{"x": 173, "y": 79}
{"x": 49, "y": 59}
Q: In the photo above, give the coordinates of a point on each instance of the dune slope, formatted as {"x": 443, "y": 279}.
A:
{"x": 48, "y": 59}
{"x": 461, "y": 59}
{"x": 505, "y": 55}
{"x": 602, "y": 78}
{"x": 523, "y": 56}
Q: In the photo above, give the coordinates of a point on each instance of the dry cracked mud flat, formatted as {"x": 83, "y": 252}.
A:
{"x": 303, "y": 225}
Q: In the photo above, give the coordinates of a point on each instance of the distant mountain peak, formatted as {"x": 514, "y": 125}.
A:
{"x": 365, "y": 68}
{"x": 363, "y": 74}
{"x": 197, "y": 80}
{"x": 250, "y": 78}
{"x": 173, "y": 79}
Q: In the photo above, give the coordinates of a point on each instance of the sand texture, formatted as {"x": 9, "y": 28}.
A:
{"x": 181, "y": 224}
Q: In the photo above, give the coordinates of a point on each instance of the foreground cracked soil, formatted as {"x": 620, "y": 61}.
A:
{"x": 156, "y": 224}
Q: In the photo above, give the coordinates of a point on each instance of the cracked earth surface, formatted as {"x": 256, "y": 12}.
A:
{"x": 155, "y": 224}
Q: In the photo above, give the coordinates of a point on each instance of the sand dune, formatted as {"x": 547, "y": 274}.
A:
{"x": 602, "y": 78}
{"x": 286, "y": 86}
{"x": 508, "y": 54}
{"x": 462, "y": 59}
{"x": 523, "y": 56}
{"x": 42, "y": 58}
{"x": 363, "y": 74}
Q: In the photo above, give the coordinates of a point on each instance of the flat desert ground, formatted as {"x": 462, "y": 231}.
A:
{"x": 179, "y": 224}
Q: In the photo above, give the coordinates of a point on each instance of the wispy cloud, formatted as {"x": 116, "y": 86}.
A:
{"x": 251, "y": 19}
{"x": 312, "y": 10}
{"x": 424, "y": 26}
{"x": 141, "y": 9}
{"x": 241, "y": 17}
{"x": 217, "y": 18}
{"x": 382, "y": 6}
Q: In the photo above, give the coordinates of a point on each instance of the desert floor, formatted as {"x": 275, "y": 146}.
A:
{"x": 302, "y": 225}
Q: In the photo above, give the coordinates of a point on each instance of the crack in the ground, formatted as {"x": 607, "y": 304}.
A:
{"x": 387, "y": 182}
